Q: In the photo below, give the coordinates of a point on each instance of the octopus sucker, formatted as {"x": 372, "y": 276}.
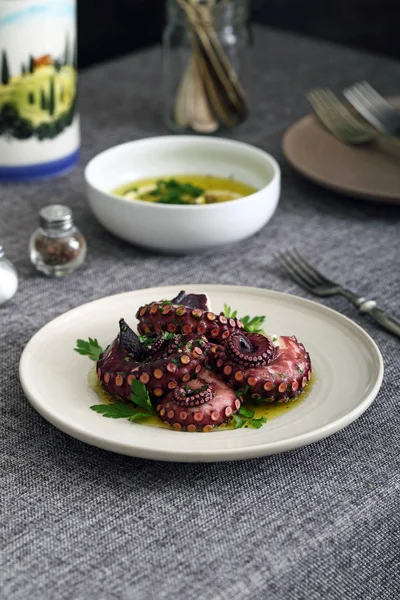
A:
{"x": 207, "y": 402}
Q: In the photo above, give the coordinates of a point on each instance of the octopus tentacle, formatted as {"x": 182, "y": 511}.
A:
{"x": 128, "y": 341}
{"x": 192, "y": 300}
{"x": 177, "y": 365}
{"x": 249, "y": 349}
{"x": 177, "y": 318}
{"x": 282, "y": 378}
{"x": 203, "y": 416}
{"x": 162, "y": 346}
{"x": 187, "y": 396}
{"x": 171, "y": 364}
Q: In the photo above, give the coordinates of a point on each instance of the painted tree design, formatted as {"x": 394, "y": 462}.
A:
{"x": 66, "y": 51}
{"x": 75, "y": 56}
{"x": 5, "y": 71}
{"x": 52, "y": 98}
{"x": 43, "y": 100}
{"x": 31, "y": 64}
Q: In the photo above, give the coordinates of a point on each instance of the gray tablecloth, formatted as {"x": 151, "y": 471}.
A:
{"x": 321, "y": 522}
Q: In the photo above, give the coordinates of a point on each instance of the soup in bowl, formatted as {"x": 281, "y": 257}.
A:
{"x": 117, "y": 179}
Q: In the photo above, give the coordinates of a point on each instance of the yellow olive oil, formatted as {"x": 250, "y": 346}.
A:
{"x": 268, "y": 411}
{"x": 185, "y": 189}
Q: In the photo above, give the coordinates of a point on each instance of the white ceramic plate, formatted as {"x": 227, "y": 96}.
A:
{"x": 346, "y": 361}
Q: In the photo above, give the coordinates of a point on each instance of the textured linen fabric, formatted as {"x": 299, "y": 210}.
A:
{"x": 79, "y": 523}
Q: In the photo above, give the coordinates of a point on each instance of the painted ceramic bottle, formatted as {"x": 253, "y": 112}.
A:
{"x": 39, "y": 124}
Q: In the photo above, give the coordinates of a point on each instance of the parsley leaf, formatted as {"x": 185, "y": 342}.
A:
{"x": 140, "y": 397}
{"x": 90, "y": 348}
{"x": 119, "y": 410}
{"x": 238, "y": 422}
{"x": 241, "y": 393}
{"x": 139, "y": 415}
{"x": 246, "y": 419}
{"x": 149, "y": 340}
{"x": 257, "y": 423}
{"x": 246, "y": 412}
{"x": 171, "y": 191}
{"x": 229, "y": 312}
{"x": 252, "y": 325}
{"x": 146, "y": 340}
{"x": 168, "y": 335}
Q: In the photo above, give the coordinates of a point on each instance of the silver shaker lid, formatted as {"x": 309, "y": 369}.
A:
{"x": 56, "y": 216}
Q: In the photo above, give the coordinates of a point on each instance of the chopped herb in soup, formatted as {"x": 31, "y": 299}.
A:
{"x": 185, "y": 189}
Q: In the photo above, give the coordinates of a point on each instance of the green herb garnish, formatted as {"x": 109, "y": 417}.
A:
{"x": 238, "y": 421}
{"x": 168, "y": 335}
{"x": 121, "y": 410}
{"x": 140, "y": 397}
{"x": 253, "y": 325}
{"x": 245, "y": 418}
{"x": 118, "y": 410}
{"x": 246, "y": 412}
{"x": 171, "y": 191}
{"x": 229, "y": 313}
{"x": 148, "y": 341}
{"x": 250, "y": 324}
{"x": 90, "y": 348}
{"x": 257, "y": 423}
{"x": 241, "y": 393}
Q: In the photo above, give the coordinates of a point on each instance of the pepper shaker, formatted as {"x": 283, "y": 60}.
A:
{"x": 8, "y": 278}
{"x": 57, "y": 247}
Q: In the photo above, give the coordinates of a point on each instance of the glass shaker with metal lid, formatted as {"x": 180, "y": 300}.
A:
{"x": 57, "y": 247}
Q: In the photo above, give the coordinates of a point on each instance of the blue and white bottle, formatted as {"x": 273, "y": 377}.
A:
{"x": 39, "y": 124}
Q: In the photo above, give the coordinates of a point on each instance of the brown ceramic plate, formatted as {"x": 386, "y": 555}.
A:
{"x": 370, "y": 171}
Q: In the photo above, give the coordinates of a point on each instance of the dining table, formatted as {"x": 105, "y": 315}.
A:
{"x": 321, "y": 521}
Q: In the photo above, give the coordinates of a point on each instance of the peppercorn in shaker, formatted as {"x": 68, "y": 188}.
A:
{"x": 57, "y": 247}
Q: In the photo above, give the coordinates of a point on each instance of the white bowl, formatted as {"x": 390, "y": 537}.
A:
{"x": 177, "y": 228}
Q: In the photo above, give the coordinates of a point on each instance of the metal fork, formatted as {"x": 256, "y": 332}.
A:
{"x": 338, "y": 119}
{"x": 374, "y": 108}
{"x": 306, "y": 275}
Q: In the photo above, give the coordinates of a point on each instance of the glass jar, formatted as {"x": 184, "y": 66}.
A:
{"x": 57, "y": 247}
{"x": 206, "y": 65}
